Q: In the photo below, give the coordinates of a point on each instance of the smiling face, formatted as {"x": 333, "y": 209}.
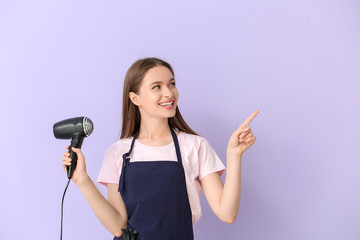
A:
{"x": 158, "y": 95}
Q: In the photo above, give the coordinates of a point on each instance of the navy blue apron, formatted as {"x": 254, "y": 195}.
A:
{"x": 156, "y": 198}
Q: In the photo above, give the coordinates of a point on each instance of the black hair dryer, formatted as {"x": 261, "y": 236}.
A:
{"x": 75, "y": 129}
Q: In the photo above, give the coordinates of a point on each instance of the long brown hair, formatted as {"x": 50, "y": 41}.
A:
{"x": 130, "y": 112}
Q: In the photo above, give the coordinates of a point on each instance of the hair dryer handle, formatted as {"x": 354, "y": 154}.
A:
{"x": 76, "y": 142}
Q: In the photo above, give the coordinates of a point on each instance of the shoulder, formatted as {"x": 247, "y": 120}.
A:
{"x": 120, "y": 146}
{"x": 191, "y": 140}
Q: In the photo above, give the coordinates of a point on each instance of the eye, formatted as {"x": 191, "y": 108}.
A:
{"x": 156, "y": 87}
{"x": 172, "y": 84}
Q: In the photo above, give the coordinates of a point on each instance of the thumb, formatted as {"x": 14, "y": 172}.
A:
{"x": 240, "y": 130}
{"x": 77, "y": 151}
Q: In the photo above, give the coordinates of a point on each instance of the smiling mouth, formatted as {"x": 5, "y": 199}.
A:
{"x": 167, "y": 104}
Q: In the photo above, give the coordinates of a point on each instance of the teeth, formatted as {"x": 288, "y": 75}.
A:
{"x": 166, "y": 104}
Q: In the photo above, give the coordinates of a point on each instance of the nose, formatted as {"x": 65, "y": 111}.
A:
{"x": 167, "y": 92}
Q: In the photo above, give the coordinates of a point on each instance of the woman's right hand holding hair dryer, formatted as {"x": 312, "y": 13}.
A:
{"x": 79, "y": 174}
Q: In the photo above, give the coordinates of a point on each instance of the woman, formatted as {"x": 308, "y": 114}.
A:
{"x": 159, "y": 164}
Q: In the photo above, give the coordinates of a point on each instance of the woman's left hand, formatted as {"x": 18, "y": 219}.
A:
{"x": 242, "y": 138}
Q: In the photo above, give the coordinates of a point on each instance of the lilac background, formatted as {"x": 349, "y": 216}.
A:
{"x": 295, "y": 61}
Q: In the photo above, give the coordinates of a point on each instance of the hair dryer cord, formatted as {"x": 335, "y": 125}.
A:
{"x": 62, "y": 207}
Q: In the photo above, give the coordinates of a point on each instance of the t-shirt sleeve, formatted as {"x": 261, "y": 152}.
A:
{"x": 110, "y": 169}
{"x": 209, "y": 162}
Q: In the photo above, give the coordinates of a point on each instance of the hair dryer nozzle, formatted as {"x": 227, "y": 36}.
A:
{"x": 65, "y": 129}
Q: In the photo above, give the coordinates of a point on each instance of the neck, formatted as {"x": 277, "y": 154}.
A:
{"x": 154, "y": 129}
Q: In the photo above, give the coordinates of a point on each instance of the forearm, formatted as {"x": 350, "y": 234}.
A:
{"x": 107, "y": 214}
{"x": 230, "y": 197}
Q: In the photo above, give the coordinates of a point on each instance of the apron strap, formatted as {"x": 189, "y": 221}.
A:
{"x": 126, "y": 160}
{"x": 176, "y": 143}
{"x": 132, "y": 144}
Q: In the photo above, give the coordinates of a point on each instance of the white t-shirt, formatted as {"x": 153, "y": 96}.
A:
{"x": 198, "y": 157}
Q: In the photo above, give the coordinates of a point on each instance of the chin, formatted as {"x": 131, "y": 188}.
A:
{"x": 171, "y": 115}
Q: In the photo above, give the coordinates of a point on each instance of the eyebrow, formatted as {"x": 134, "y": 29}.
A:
{"x": 159, "y": 82}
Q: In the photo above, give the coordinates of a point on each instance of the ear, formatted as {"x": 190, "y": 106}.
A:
{"x": 134, "y": 98}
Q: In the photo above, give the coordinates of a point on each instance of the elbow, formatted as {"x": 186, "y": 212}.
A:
{"x": 228, "y": 219}
{"x": 117, "y": 230}
{"x": 117, "y": 234}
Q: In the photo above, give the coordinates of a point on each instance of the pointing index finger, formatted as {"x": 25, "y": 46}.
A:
{"x": 250, "y": 118}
